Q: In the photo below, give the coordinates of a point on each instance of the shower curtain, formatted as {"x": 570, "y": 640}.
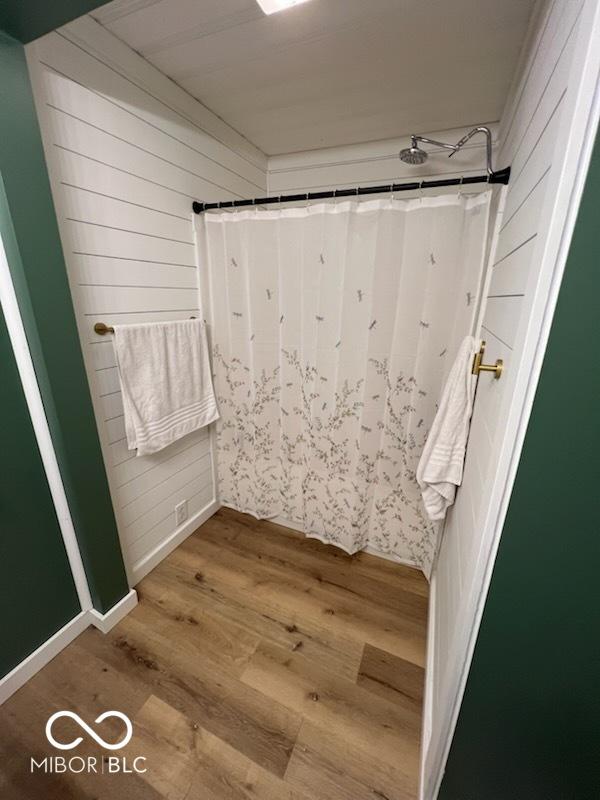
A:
{"x": 332, "y": 328}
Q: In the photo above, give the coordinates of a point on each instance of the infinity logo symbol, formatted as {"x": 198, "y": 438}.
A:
{"x": 88, "y": 730}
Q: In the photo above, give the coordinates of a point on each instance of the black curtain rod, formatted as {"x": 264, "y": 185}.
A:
{"x": 500, "y": 176}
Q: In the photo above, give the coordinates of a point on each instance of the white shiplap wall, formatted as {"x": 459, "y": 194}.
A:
{"x": 541, "y": 136}
{"x": 127, "y": 152}
{"x": 375, "y": 163}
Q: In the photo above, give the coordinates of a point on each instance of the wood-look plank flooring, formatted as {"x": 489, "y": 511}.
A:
{"x": 258, "y": 665}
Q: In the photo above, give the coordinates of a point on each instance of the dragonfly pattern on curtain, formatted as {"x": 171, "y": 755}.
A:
{"x": 332, "y": 329}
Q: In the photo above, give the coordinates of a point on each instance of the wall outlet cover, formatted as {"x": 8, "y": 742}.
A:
{"x": 181, "y": 512}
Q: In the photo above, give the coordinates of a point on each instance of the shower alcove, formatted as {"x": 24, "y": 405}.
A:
{"x": 212, "y": 161}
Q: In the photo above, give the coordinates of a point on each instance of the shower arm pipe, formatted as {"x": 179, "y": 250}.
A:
{"x": 500, "y": 176}
{"x": 488, "y": 144}
{"x": 454, "y": 147}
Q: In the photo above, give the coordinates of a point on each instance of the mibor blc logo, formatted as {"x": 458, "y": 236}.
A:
{"x": 96, "y": 764}
{"x": 106, "y": 745}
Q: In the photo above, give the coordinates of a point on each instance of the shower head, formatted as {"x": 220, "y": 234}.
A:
{"x": 413, "y": 154}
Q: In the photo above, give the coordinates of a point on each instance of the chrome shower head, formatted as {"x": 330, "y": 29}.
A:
{"x": 413, "y": 154}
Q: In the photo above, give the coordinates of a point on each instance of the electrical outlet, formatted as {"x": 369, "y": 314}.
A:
{"x": 181, "y": 513}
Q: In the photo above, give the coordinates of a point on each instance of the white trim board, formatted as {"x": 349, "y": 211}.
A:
{"x": 429, "y": 681}
{"x": 105, "y": 622}
{"x": 34, "y": 662}
{"x": 18, "y": 338}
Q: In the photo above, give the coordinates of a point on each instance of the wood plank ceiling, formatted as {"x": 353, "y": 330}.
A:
{"x": 332, "y": 72}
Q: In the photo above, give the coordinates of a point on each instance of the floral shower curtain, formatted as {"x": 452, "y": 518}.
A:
{"x": 332, "y": 328}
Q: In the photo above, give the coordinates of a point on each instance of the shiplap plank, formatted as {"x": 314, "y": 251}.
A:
{"x": 103, "y": 355}
{"x": 134, "y": 468}
{"x": 93, "y": 207}
{"x": 509, "y": 276}
{"x": 118, "y": 299}
{"x": 523, "y": 222}
{"x": 115, "y": 429}
{"x": 107, "y": 381}
{"x": 502, "y": 317}
{"x": 108, "y": 407}
{"x": 101, "y": 179}
{"x": 114, "y": 271}
{"x": 135, "y": 490}
{"x": 101, "y": 240}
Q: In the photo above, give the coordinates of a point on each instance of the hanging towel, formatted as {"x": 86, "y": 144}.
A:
{"x": 441, "y": 465}
{"x": 164, "y": 370}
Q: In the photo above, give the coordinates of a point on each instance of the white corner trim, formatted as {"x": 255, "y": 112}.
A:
{"x": 18, "y": 339}
{"x": 104, "y": 622}
{"x": 34, "y": 662}
{"x": 141, "y": 568}
{"x": 429, "y": 685}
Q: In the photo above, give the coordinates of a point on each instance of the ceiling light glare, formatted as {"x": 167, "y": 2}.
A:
{"x": 273, "y": 6}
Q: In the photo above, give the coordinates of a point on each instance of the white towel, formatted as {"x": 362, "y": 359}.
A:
{"x": 164, "y": 369}
{"x": 440, "y": 468}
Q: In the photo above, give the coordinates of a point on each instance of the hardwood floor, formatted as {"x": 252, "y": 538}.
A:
{"x": 258, "y": 665}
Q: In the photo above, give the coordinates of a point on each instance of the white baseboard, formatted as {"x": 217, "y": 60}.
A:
{"x": 34, "y": 662}
{"x": 145, "y": 565}
{"x": 428, "y": 689}
{"x": 104, "y": 622}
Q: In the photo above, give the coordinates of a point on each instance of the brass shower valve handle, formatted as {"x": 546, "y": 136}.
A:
{"x": 479, "y": 366}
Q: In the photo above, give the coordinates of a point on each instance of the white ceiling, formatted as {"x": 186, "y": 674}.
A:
{"x": 332, "y": 72}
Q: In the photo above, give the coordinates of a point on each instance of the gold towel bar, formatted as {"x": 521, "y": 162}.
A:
{"x": 478, "y": 366}
{"x": 101, "y": 329}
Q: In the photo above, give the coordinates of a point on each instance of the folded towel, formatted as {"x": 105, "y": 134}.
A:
{"x": 440, "y": 468}
{"x": 166, "y": 382}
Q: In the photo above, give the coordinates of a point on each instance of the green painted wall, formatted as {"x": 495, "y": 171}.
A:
{"x": 29, "y": 230}
{"x": 28, "y": 19}
{"x": 37, "y": 592}
{"x": 529, "y": 725}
